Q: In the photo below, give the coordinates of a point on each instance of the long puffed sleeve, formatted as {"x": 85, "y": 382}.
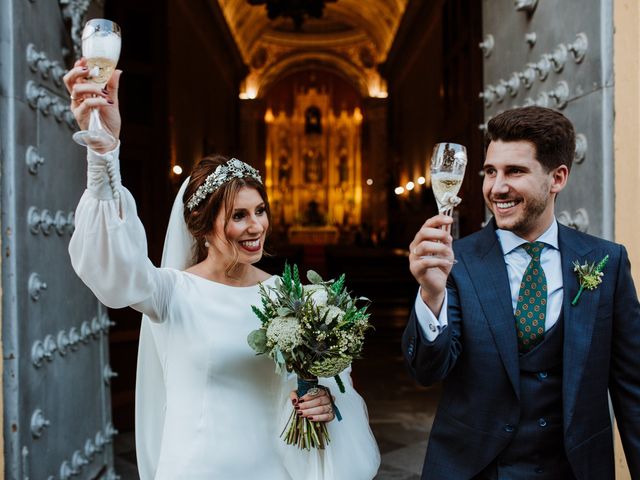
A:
{"x": 108, "y": 248}
{"x": 352, "y": 453}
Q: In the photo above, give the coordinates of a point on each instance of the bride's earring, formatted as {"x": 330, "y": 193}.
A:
{"x": 206, "y": 244}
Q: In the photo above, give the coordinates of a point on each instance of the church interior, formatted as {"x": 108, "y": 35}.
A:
{"x": 338, "y": 103}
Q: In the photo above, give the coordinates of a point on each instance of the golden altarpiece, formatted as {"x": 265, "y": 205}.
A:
{"x": 313, "y": 168}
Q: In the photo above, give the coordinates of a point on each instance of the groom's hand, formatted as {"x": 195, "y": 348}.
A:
{"x": 430, "y": 260}
{"x": 314, "y": 407}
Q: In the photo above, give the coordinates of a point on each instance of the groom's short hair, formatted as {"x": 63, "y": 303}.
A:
{"x": 550, "y": 132}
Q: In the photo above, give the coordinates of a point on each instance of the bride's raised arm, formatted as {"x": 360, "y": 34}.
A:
{"x": 108, "y": 248}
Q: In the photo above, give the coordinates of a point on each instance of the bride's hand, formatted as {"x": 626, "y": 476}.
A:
{"x": 86, "y": 95}
{"x": 314, "y": 407}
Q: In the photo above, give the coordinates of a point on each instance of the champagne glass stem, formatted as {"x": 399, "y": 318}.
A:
{"x": 448, "y": 211}
{"x": 95, "y": 137}
{"x": 447, "y": 228}
{"x": 94, "y": 121}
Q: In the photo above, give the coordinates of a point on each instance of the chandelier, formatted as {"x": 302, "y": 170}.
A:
{"x": 296, "y": 10}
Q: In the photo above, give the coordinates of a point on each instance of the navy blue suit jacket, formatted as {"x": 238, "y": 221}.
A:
{"x": 476, "y": 357}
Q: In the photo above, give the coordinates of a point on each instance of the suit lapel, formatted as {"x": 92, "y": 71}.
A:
{"x": 489, "y": 276}
{"x": 579, "y": 320}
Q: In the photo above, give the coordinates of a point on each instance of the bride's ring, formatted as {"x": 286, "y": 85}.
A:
{"x": 329, "y": 409}
{"x": 314, "y": 392}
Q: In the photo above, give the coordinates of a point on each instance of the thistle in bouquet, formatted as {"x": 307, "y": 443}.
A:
{"x": 313, "y": 330}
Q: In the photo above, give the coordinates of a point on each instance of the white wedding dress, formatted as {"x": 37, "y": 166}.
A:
{"x": 207, "y": 407}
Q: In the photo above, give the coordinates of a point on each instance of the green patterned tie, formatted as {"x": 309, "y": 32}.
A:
{"x": 531, "y": 309}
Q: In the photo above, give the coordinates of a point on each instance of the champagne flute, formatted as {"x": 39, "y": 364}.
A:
{"x": 101, "y": 41}
{"x": 448, "y": 163}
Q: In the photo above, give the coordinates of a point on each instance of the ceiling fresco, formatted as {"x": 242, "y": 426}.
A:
{"x": 351, "y": 38}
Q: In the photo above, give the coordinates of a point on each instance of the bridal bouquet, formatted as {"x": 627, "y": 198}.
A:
{"x": 314, "y": 330}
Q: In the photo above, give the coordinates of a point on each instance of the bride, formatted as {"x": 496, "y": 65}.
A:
{"x": 206, "y": 406}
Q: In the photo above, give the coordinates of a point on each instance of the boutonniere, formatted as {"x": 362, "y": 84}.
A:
{"x": 589, "y": 276}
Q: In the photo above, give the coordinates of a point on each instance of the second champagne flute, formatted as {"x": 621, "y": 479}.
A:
{"x": 101, "y": 42}
{"x": 448, "y": 163}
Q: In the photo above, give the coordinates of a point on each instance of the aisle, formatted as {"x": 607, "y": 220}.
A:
{"x": 400, "y": 411}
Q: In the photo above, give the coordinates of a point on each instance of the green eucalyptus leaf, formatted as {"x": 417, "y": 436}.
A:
{"x": 314, "y": 277}
{"x": 258, "y": 341}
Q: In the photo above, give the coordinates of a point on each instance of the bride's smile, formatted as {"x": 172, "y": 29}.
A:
{"x": 246, "y": 229}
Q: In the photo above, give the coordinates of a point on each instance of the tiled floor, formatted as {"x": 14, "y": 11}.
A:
{"x": 400, "y": 411}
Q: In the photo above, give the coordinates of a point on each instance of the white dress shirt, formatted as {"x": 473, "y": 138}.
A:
{"x": 516, "y": 260}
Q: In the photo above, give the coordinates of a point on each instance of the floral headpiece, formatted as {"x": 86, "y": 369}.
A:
{"x": 234, "y": 168}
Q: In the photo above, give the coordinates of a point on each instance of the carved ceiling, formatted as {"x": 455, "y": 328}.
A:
{"x": 351, "y": 39}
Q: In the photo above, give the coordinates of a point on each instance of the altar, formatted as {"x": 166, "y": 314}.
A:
{"x": 313, "y": 167}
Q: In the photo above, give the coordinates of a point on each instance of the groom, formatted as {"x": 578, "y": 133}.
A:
{"x": 526, "y": 360}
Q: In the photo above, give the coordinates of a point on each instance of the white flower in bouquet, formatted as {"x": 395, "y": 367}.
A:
{"x": 349, "y": 342}
{"x": 331, "y": 313}
{"x": 285, "y": 333}
{"x": 318, "y": 294}
{"x": 314, "y": 330}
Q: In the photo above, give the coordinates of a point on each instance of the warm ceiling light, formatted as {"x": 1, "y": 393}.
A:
{"x": 421, "y": 180}
{"x": 369, "y": 181}
{"x": 399, "y": 190}
{"x": 410, "y": 185}
{"x": 177, "y": 169}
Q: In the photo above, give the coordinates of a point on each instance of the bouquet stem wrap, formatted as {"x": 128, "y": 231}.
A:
{"x": 304, "y": 385}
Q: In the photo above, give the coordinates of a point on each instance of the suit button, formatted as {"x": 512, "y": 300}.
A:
{"x": 542, "y": 375}
{"x": 542, "y": 422}
{"x": 410, "y": 351}
{"x": 539, "y": 470}
{"x": 509, "y": 428}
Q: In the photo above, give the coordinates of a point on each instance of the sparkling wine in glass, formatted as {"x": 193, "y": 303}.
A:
{"x": 448, "y": 164}
{"x": 101, "y": 41}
